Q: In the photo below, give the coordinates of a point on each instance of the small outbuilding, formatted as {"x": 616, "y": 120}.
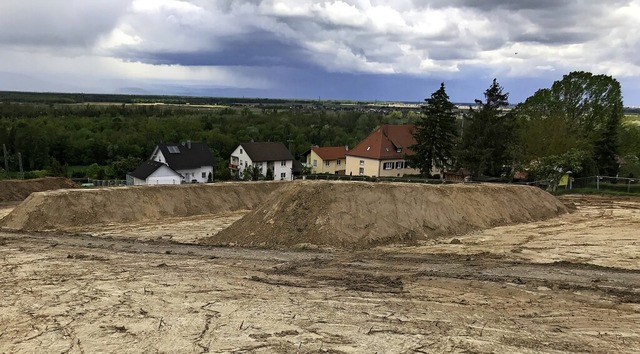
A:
{"x": 152, "y": 173}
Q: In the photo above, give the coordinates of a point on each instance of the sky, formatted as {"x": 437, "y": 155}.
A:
{"x": 393, "y": 50}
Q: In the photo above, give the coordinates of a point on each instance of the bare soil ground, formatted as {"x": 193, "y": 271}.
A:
{"x": 18, "y": 190}
{"x": 568, "y": 284}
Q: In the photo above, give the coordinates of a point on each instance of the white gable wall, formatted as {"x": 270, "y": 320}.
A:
{"x": 197, "y": 174}
{"x": 158, "y": 156}
{"x": 282, "y": 170}
{"x": 244, "y": 160}
{"x": 163, "y": 175}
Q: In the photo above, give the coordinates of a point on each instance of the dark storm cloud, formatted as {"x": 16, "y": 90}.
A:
{"x": 258, "y": 49}
{"x": 58, "y": 23}
{"x": 359, "y": 40}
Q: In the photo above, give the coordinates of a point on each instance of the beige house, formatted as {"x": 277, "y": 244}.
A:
{"x": 331, "y": 159}
{"x": 382, "y": 153}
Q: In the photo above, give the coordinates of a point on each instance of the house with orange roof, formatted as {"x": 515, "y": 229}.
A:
{"x": 382, "y": 153}
{"x": 330, "y": 159}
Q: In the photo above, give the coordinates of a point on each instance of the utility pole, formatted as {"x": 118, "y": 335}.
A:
{"x": 20, "y": 162}
{"x": 6, "y": 158}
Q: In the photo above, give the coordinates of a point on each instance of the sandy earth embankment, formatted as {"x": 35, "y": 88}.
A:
{"x": 65, "y": 210}
{"x": 18, "y": 190}
{"x": 360, "y": 215}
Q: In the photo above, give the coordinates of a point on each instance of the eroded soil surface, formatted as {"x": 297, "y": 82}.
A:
{"x": 515, "y": 289}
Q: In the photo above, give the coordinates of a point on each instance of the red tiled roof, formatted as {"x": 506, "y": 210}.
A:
{"x": 385, "y": 141}
{"x": 330, "y": 152}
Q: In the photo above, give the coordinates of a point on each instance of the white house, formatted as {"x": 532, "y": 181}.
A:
{"x": 266, "y": 156}
{"x": 193, "y": 162}
{"x": 152, "y": 173}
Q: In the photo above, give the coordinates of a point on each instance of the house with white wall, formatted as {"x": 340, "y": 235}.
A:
{"x": 265, "y": 156}
{"x": 193, "y": 162}
{"x": 153, "y": 173}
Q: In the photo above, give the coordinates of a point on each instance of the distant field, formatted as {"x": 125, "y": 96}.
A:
{"x": 631, "y": 119}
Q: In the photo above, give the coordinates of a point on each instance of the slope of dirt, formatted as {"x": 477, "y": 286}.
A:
{"x": 361, "y": 215}
{"x": 18, "y": 190}
{"x": 66, "y": 210}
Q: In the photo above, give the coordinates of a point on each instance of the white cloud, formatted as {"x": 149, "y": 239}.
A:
{"x": 215, "y": 39}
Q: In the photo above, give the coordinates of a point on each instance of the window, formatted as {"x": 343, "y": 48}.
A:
{"x": 361, "y": 162}
{"x": 338, "y": 162}
{"x": 283, "y": 163}
{"x": 399, "y": 150}
{"x": 240, "y": 151}
{"x": 204, "y": 175}
{"x": 388, "y": 166}
{"x": 327, "y": 163}
{"x": 315, "y": 163}
{"x": 400, "y": 164}
{"x": 173, "y": 149}
{"x": 361, "y": 171}
{"x": 283, "y": 175}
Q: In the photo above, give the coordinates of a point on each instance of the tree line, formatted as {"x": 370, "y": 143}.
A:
{"x": 114, "y": 139}
{"x": 574, "y": 126}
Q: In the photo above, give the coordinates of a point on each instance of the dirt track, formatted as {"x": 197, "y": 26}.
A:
{"x": 488, "y": 293}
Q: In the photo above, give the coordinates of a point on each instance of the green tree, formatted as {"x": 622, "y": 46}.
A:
{"x": 582, "y": 111}
{"x": 56, "y": 169}
{"x": 487, "y": 135}
{"x": 119, "y": 169}
{"x": 552, "y": 168}
{"x": 436, "y": 133}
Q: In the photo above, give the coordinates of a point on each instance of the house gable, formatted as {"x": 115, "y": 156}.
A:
{"x": 154, "y": 172}
{"x": 385, "y": 143}
{"x": 266, "y": 156}
{"x": 186, "y": 156}
{"x": 146, "y": 169}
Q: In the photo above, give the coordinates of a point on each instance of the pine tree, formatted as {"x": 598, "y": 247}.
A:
{"x": 487, "y": 135}
{"x": 436, "y": 133}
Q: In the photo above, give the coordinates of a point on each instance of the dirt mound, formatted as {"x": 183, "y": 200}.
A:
{"x": 360, "y": 215}
{"x": 68, "y": 209}
{"x": 17, "y": 190}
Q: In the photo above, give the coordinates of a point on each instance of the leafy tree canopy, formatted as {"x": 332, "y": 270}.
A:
{"x": 582, "y": 111}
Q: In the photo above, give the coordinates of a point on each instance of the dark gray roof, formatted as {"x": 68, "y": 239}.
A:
{"x": 146, "y": 169}
{"x": 266, "y": 152}
{"x": 184, "y": 158}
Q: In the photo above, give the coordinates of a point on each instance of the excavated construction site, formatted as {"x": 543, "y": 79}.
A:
{"x": 360, "y": 215}
{"x": 71, "y": 209}
{"x": 19, "y": 190}
{"x": 354, "y": 215}
{"x": 319, "y": 267}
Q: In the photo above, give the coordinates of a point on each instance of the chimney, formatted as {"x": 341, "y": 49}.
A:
{"x": 346, "y": 147}
{"x": 188, "y": 144}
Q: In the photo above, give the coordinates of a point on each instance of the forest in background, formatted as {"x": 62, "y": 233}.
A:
{"x": 106, "y": 136}
{"x": 117, "y": 137}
